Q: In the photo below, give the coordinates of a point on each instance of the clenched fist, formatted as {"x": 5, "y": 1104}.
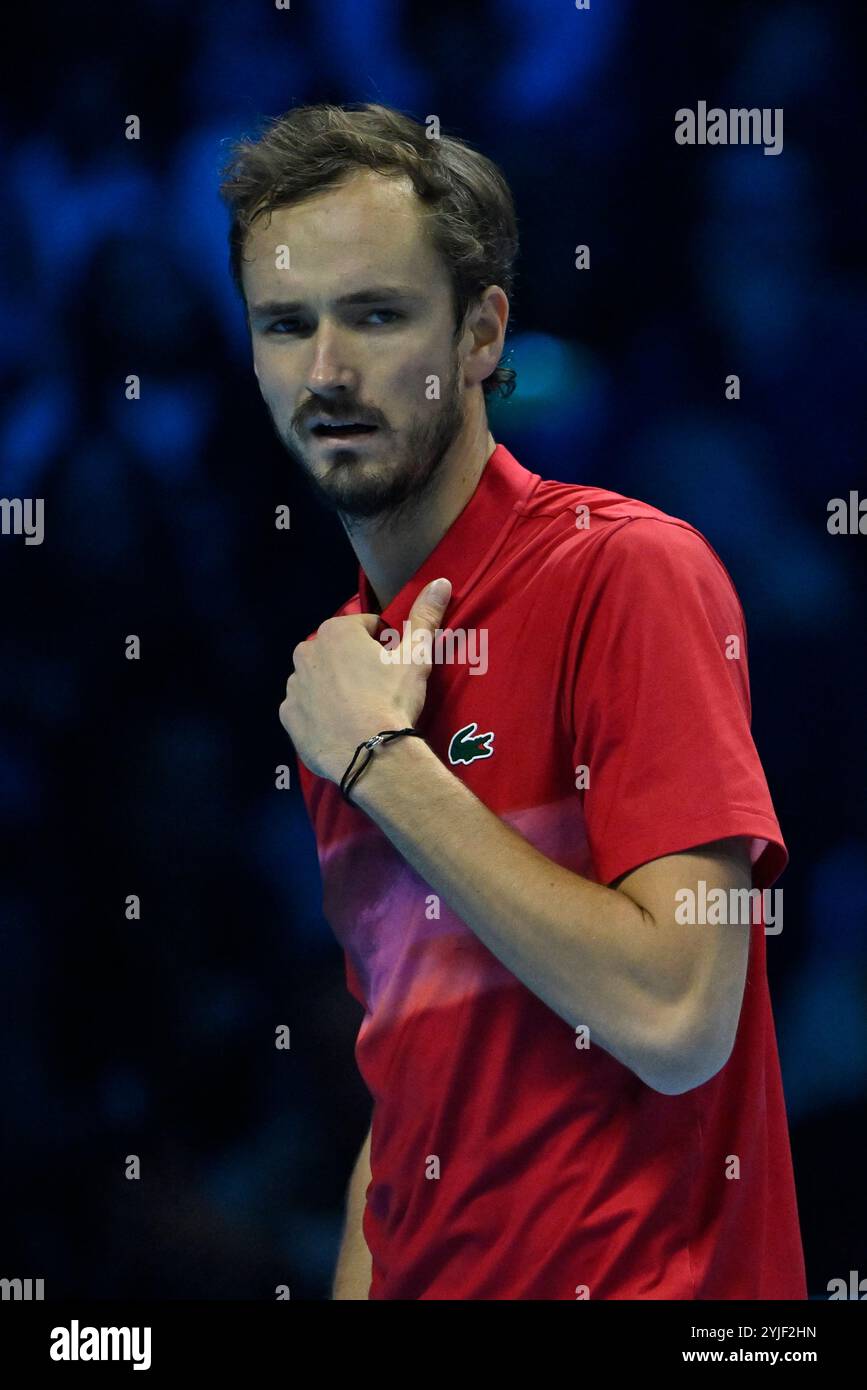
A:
{"x": 346, "y": 686}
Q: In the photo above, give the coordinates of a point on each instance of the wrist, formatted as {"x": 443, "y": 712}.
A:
{"x": 390, "y": 764}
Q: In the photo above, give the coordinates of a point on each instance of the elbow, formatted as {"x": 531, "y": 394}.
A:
{"x": 687, "y": 1058}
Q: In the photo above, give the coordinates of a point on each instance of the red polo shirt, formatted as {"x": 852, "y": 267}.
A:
{"x": 506, "y": 1161}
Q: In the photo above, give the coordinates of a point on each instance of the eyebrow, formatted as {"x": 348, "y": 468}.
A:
{"x": 276, "y": 308}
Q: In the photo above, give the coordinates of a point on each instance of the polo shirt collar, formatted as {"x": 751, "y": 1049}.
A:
{"x": 471, "y": 541}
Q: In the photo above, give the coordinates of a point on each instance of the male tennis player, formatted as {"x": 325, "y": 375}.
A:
{"x": 576, "y": 1090}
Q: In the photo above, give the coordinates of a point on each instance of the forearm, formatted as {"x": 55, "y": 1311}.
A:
{"x": 591, "y": 953}
{"x": 353, "y": 1271}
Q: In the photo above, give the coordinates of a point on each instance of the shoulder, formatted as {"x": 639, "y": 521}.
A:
{"x": 605, "y": 536}
{"x": 665, "y": 570}
{"x": 650, "y": 544}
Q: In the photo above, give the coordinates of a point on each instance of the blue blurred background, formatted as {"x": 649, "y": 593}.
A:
{"x": 156, "y": 777}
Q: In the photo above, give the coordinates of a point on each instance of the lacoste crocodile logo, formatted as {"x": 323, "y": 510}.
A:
{"x": 467, "y": 745}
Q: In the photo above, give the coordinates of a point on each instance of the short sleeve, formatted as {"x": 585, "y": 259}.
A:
{"x": 660, "y": 705}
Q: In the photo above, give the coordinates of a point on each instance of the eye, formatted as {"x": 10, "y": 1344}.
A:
{"x": 282, "y": 326}
{"x": 391, "y": 312}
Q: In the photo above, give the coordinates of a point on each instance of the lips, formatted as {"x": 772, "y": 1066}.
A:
{"x": 326, "y": 430}
{"x": 347, "y": 435}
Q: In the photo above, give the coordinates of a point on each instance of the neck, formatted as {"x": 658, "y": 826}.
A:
{"x": 390, "y": 555}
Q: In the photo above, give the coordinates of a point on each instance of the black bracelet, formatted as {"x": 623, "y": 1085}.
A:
{"x": 384, "y": 737}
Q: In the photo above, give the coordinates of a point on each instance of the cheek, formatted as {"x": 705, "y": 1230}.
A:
{"x": 272, "y": 383}
{"x": 413, "y": 379}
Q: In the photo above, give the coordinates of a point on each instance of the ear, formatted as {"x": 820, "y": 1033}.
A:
{"x": 487, "y": 323}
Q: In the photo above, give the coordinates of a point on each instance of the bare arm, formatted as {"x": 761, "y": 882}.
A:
{"x": 661, "y": 996}
{"x": 353, "y": 1273}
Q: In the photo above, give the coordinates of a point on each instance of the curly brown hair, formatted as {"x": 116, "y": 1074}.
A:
{"x": 472, "y": 216}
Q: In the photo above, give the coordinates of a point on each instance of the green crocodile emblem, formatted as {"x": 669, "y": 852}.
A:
{"x": 467, "y": 745}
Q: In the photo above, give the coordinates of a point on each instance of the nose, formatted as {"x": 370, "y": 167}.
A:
{"x": 330, "y": 373}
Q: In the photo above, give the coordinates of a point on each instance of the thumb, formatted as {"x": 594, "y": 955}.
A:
{"x": 430, "y": 605}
